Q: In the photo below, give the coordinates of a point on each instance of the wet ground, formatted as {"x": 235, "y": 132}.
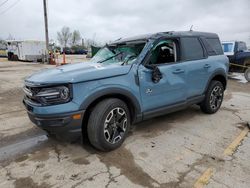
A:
{"x": 183, "y": 149}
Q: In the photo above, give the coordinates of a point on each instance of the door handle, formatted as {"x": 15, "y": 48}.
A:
{"x": 206, "y": 66}
{"x": 178, "y": 71}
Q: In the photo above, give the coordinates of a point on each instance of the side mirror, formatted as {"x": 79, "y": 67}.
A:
{"x": 156, "y": 73}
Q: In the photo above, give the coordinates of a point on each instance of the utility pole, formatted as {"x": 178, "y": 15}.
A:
{"x": 46, "y": 28}
{"x": 82, "y": 42}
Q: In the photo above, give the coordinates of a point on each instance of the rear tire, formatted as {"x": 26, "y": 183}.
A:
{"x": 108, "y": 124}
{"x": 213, "y": 97}
{"x": 247, "y": 74}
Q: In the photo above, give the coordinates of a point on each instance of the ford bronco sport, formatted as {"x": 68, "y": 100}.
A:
{"x": 128, "y": 81}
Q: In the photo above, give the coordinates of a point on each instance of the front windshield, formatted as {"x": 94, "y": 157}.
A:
{"x": 228, "y": 47}
{"x": 120, "y": 53}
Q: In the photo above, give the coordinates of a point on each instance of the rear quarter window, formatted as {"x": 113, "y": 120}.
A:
{"x": 213, "y": 46}
{"x": 191, "y": 48}
{"x": 242, "y": 46}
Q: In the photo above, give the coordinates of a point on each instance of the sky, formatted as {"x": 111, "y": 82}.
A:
{"x": 107, "y": 20}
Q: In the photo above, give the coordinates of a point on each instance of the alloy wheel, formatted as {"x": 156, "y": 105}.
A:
{"x": 216, "y": 97}
{"x": 115, "y": 125}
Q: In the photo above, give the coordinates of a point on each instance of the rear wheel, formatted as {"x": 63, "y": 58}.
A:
{"x": 108, "y": 124}
{"x": 247, "y": 74}
{"x": 213, "y": 98}
{"x": 247, "y": 71}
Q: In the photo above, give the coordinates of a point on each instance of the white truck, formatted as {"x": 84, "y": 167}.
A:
{"x": 26, "y": 50}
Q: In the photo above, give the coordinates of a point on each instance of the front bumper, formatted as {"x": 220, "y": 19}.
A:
{"x": 63, "y": 126}
{"x": 67, "y": 126}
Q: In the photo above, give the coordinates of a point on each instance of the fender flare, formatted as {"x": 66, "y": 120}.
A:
{"x": 112, "y": 91}
{"x": 219, "y": 72}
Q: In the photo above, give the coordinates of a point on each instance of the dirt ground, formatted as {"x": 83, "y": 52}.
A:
{"x": 182, "y": 149}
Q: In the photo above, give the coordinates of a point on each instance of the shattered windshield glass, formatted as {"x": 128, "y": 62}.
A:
{"x": 120, "y": 53}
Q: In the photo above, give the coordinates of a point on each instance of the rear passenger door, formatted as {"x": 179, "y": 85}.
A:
{"x": 197, "y": 66}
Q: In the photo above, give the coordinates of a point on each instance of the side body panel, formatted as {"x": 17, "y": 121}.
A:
{"x": 169, "y": 90}
{"x": 219, "y": 66}
{"x": 199, "y": 73}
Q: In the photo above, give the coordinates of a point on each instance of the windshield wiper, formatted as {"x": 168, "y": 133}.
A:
{"x": 101, "y": 61}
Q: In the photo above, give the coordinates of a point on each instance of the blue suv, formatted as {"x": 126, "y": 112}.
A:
{"x": 128, "y": 81}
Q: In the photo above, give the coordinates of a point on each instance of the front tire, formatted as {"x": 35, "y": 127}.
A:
{"x": 108, "y": 124}
{"x": 213, "y": 98}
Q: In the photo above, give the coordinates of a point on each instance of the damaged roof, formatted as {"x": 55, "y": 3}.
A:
{"x": 165, "y": 34}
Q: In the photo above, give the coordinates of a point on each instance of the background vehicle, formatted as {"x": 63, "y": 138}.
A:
{"x": 3, "y": 49}
{"x": 26, "y": 50}
{"x": 75, "y": 50}
{"x": 128, "y": 81}
{"x": 239, "y": 57}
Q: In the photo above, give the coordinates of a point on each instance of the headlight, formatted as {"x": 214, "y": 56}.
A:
{"x": 54, "y": 95}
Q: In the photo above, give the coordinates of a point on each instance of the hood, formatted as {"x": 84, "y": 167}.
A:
{"x": 78, "y": 72}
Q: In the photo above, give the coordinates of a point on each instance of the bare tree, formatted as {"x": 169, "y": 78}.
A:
{"x": 10, "y": 37}
{"x": 76, "y": 38}
{"x": 64, "y": 36}
{"x": 91, "y": 42}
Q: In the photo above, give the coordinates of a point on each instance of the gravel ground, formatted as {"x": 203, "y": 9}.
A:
{"x": 169, "y": 151}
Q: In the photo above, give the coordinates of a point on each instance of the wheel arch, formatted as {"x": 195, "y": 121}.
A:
{"x": 219, "y": 76}
{"x": 247, "y": 61}
{"x": 122, "y": 94}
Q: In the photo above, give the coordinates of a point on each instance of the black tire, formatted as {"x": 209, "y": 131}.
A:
{"x": 104, "y": 121}
{"x": 10, "y": 54}
{"x": 213, "y": 97}
{"x": 247, "y": 74}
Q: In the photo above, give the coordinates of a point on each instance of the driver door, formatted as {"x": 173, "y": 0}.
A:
{"x": 169, "y": 91}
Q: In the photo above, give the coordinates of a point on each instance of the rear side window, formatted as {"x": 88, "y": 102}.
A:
{"x": 191, "y": 48}
{"x": 213, "y": 46}
{"x": 242, "y": 46}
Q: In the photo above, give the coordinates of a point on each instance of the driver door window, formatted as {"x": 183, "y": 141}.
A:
{"x": 170, "y": 89}
{"x": 164, "y": 52}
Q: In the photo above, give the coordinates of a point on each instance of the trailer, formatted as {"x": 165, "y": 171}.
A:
{"x": 3, "y": 48}
{"x": 26, "y": 50}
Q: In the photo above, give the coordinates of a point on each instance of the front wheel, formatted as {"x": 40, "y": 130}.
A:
{"x": 213, "y": 97}
{"x": 109, "y": 124}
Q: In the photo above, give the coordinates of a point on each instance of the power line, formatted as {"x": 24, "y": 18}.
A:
{"x": 3, "y": 3}
{"x": 11, "y": 6}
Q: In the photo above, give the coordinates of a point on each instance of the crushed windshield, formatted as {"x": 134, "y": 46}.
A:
{"x": 120, "y": 53}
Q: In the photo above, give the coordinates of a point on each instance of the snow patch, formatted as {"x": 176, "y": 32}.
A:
{"x": 238, "y": 76}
